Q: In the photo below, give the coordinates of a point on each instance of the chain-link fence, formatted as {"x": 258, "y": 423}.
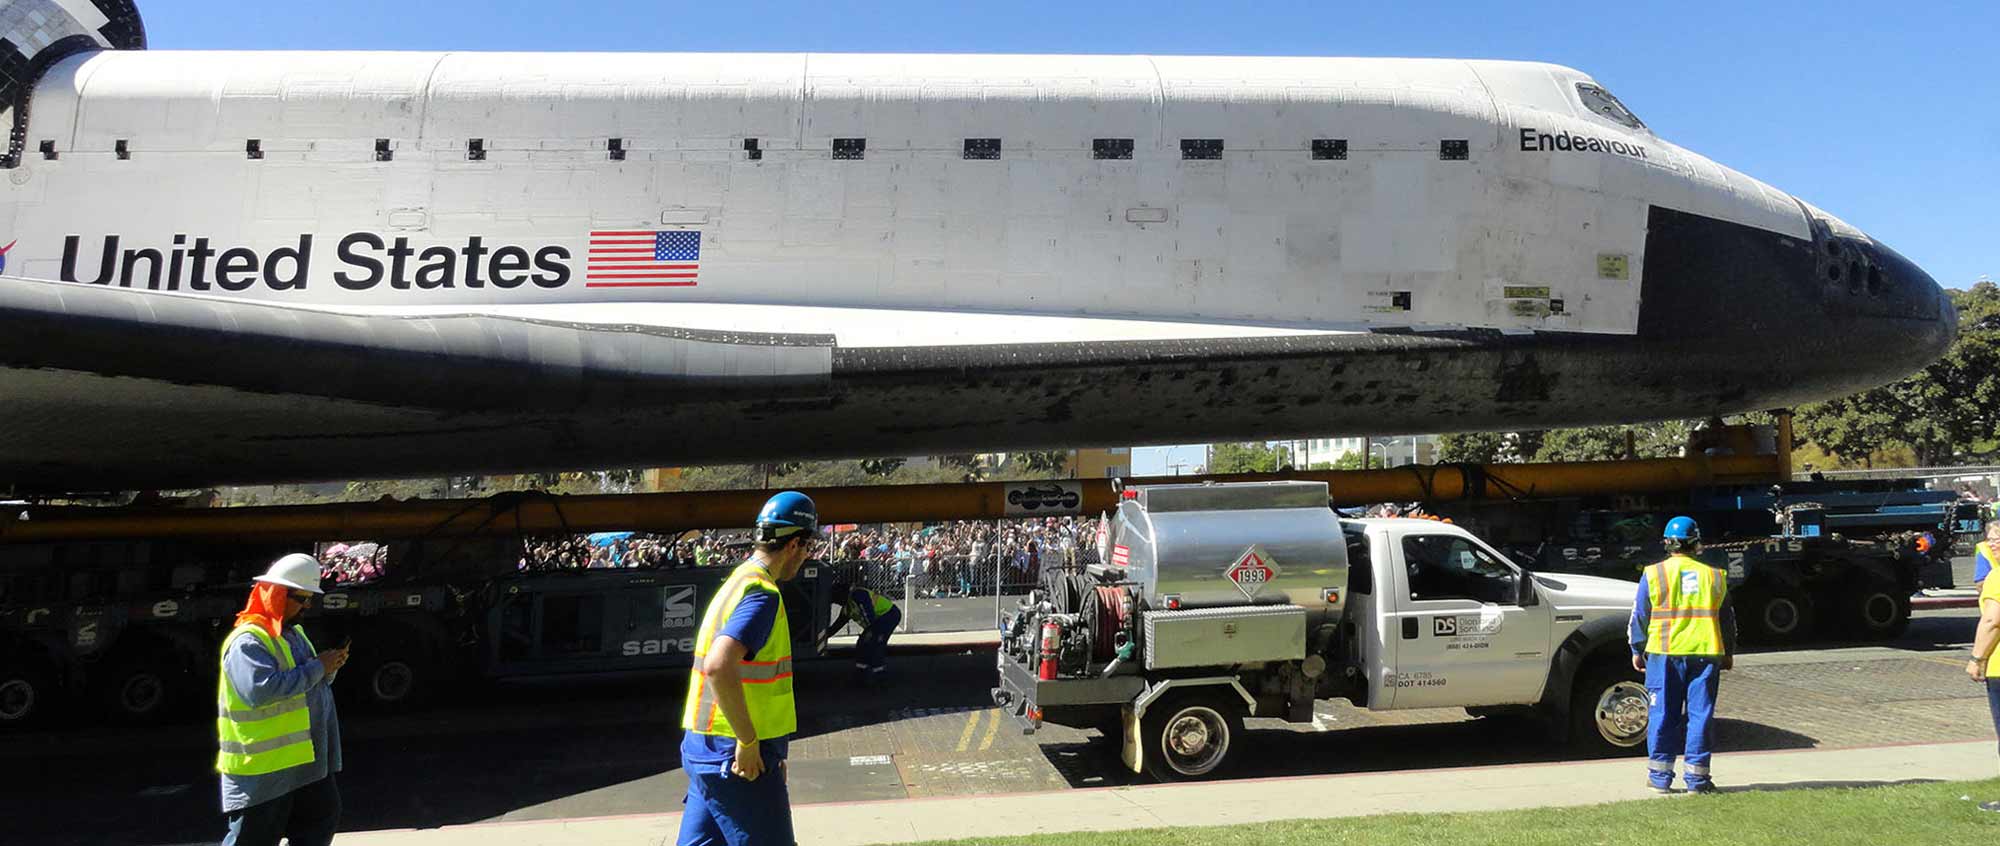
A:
{"x": 960, "y": 575}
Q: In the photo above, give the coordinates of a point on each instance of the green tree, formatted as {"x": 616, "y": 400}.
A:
{"x": 1490, "y": 447}
{"x": 965, "y": 464}
{"x": 1246, "y": 457}
{"x": 882, "y": 466}
{"x": 1588, "y": 443}
{"x": 1044, "y": 464}
{"x": 1943, "y": 413}
{"x": 1662, "y": 439}
{"x": 1470, "y": 447}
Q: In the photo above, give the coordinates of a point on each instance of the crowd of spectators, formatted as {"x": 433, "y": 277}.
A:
{"x": 353, "y": 563}
{"x": 947, "y": 559}
{"x": 963, "y": 557}
{"x": 615, "y": 550}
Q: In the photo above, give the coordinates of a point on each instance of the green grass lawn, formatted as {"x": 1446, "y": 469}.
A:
{"x": 1901, "y": 815}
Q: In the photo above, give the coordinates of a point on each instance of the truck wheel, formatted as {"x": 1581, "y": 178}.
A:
{"x": 27, "y": 693}
{"x": 1877, "y": 610}
{"x": 1776, "y": 615}
{"x": 1191, "y": 736}
{"x": 1607, "y": 710}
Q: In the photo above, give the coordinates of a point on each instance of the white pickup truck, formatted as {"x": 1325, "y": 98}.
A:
{"x": 1217, "y": 602}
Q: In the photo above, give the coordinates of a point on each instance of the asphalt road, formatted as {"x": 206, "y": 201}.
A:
{"x": 577, "y": 749}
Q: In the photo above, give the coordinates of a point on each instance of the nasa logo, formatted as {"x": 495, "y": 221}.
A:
{"x": 3, "y": 255}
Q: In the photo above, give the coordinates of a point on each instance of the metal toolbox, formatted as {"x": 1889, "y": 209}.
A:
{"x": 1214, "y": 637}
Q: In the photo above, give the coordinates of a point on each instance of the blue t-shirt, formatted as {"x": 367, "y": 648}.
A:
{"x": 751, "y": 626}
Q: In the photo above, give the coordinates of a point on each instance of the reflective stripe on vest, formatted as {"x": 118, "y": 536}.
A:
{"x": 767, "y": 675}
{"x": 1685, "y": 596}
{"x": 255, "y": 740}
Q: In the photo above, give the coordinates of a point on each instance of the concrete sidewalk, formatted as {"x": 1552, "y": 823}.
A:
{"x": 1253, "y": 800}
{"x": 924, "y": 642}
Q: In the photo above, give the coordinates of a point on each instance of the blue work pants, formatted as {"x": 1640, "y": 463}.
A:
{"x": 874, "y": 642}
{"x": 1682, "y": 690}
{"x": 306, "y": 817}
{"x": 723, "y": 808}
{"x": 1993, "y": 701}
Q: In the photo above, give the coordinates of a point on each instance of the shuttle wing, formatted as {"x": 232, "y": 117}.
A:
{"x": 456, "y": 363}
{"x": 553, "y": 358}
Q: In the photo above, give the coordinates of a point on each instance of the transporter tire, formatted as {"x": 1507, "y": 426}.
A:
{"x": 28, "y": 692}
{"x": 1192, "y": 736}
{"x": 1775, "y": 614}
{"x": 1875, "y": 610}
{"x": 392, "y": 670}
{"x": 1608, "y": 710}
{"x": 141, "y": 687}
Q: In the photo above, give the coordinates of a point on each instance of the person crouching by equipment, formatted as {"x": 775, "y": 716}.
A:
{"x": 877, "y": 617}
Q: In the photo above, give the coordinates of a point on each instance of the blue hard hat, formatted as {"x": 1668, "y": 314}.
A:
{"x": 1682, "y": 528}
{"x": 787, "y": 514}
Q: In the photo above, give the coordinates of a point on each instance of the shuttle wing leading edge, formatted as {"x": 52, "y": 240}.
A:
{"x": 444, "y": 363}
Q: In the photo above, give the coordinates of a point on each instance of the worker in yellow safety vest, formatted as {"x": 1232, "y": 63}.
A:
{"x": 739, "y": 713}
{"x": 277, "y": 733}
{"x": 1682, "y": 633}
{"x": 1986, "y": 554}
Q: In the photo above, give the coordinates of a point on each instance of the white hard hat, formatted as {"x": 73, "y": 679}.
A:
{"x": 297, "y": 570}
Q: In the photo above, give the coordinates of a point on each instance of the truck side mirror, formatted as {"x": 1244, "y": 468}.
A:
{"x": 1524, "y": 591}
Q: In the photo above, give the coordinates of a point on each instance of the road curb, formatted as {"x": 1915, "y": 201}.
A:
{"x": 1936, "y": 602}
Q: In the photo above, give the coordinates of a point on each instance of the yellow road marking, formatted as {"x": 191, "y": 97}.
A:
{"x": 965, "y": 737}
{"x": 992, "y": 728}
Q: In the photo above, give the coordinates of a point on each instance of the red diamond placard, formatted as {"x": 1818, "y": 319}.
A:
{"x": 1252, "y": 570}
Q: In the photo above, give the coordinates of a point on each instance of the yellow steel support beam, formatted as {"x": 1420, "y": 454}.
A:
{"x": 663, "y": 512}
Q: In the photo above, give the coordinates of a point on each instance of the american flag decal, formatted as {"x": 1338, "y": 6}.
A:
{"x": 642, "y": 259}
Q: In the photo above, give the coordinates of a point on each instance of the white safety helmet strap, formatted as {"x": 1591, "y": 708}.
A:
{"x": 298, "y": 571}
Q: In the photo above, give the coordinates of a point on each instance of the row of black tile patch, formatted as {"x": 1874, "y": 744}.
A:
{"x": 850, "y": 149}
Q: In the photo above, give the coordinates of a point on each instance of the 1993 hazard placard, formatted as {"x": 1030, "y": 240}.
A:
{"x": 1252, "y": 570}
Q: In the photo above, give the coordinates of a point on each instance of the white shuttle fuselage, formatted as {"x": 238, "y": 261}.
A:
{"x": 1314, "y": 193}
{"x": 687, "y": 257}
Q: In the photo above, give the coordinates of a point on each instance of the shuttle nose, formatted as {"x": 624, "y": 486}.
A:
{"x": 1792, "y": 320}
{"x": 1891, "y": 294}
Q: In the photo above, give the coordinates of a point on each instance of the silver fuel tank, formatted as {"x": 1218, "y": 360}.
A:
{"x": 1252, "y": 543}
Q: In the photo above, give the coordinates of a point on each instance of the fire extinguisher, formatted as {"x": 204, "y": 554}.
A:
{"x": 1051, "y": 636}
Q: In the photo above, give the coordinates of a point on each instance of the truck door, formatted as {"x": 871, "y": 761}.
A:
{"x": 1462, "y": 634}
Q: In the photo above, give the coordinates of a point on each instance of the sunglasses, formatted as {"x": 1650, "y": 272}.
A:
{"x": 301, "y": 597}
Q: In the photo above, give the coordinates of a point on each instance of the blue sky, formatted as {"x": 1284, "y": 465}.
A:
{"x": 1885, "y": 114}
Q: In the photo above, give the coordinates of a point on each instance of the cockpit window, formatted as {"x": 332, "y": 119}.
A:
{"x": 1600, "y": 101}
